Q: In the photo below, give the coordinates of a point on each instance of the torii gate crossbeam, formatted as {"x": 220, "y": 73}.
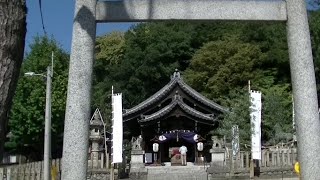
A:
{"x": 90, "y": 12}
{"x": 153, "y": 10}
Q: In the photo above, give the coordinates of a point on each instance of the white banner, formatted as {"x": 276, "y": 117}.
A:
{"x": 255, "y": 115}
{"x": 235, "y": 140}
{"x": 117, "y": 130}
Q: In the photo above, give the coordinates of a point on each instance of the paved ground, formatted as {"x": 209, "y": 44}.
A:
{"x": 177, "y": 173}
{"x": 294, "y": 178}
{"x": 194, "y": 172}
{"x": 269, "y": 178}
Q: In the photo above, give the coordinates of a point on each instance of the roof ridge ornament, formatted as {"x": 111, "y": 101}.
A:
{"x": 177, "y": 96}
{"x": 176, "y": 74}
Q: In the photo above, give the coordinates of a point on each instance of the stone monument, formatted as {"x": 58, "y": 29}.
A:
{"x": 137, "y": 167}
{"x": 217, "y": 152}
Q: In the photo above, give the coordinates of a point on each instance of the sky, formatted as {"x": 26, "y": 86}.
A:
{"x": 58, "y": 19}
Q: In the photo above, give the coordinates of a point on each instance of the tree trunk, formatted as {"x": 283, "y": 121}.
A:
{"x": 12, "y": 39}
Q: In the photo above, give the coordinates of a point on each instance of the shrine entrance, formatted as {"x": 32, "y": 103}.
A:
{"x": 170, "y": 151}
{"x": 171, "y": 142}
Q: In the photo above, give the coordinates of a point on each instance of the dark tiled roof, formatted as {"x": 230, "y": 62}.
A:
{"x": 175, "y": 80}
{"x": 200, "y": 97}
{"x": 177, "y": 102}
{"x": 160, "y": 113}
{"x": 158, "y": 95}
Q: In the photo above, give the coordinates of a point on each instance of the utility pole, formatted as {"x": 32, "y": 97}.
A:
{"x": 47, "y": 130}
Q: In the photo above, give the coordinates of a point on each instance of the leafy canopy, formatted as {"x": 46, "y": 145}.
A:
{"x": 27, "y": 115}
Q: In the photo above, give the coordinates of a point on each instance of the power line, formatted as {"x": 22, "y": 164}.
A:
{"x": 43, "y": 28}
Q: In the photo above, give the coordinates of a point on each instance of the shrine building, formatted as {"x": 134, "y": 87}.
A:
{"x": 176, "y": 115}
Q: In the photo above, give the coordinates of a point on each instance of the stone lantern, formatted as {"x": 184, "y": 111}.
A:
{"x": 96, "y": 138}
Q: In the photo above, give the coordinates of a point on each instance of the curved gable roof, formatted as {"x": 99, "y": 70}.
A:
{"x": 189, "y": 90}
{"x": 169, "y": 108}
{"x": 175, "y": 80}
{"x": 151, "y": 100}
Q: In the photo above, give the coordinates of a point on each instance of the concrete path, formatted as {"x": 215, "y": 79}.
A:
{"x": 177, "y": 173}
{"x": 194, "y": 172}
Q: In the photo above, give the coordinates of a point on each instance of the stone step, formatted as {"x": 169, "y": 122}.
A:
{"x": 156, "y": 173}
{"x": 190, "y": 172}
{"x": 178, "y": 169}
{"x": 175, "y": 170}
{"x": 181, "y": 171}
{"x": 177, "y": 176}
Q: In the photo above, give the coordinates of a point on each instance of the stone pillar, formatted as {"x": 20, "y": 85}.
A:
{"x": 95, "y": 154}
{"x": 137, "y": 167}
{"x": 137, "y": 159}
{"x": 217, "y": 152}
{"x": 304, "y": 89}
{"x": 75, "y": 143}
{"x": 217, "y": 156}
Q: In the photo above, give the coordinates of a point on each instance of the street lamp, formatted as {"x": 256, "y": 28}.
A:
{"x": 47, "y": 130}
{"x": 34, "y": 74}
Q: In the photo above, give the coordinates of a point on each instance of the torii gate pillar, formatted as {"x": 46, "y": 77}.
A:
{"x": 304, "y": 90}
{"x": 90, "y": 12}
{"x": 76, "y": 128}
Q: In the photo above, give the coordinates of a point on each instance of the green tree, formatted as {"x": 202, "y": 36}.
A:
{"x": 152, "y": 52}
{"x": 109, "y": 56}
{"x": 220, "y": 58}
{"x": 239, "y": 114}
{"x": 277, "y": 114}
{"x": 27, "y": 115}
{"x": 272, "y": 40}
{"x": 220, "y": 66}
{"x": 220, "y": 70}
{"x": 110, "y": 48}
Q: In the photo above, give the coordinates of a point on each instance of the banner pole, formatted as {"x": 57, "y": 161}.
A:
{"x": 112, "y": 164}
{"x": 117, "y": 132}
{"x": 255, "y": 119}
{"x": 251, "y": 167}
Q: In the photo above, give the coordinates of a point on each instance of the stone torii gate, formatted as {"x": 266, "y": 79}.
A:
{"x": 90, "y": 12}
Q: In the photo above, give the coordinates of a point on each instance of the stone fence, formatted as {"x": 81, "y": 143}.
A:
{"x": 34, "y": 171}
{"x": 273, "y": 162}
{"x": 28, "y": 171}
{"x": 269, "y": 158}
